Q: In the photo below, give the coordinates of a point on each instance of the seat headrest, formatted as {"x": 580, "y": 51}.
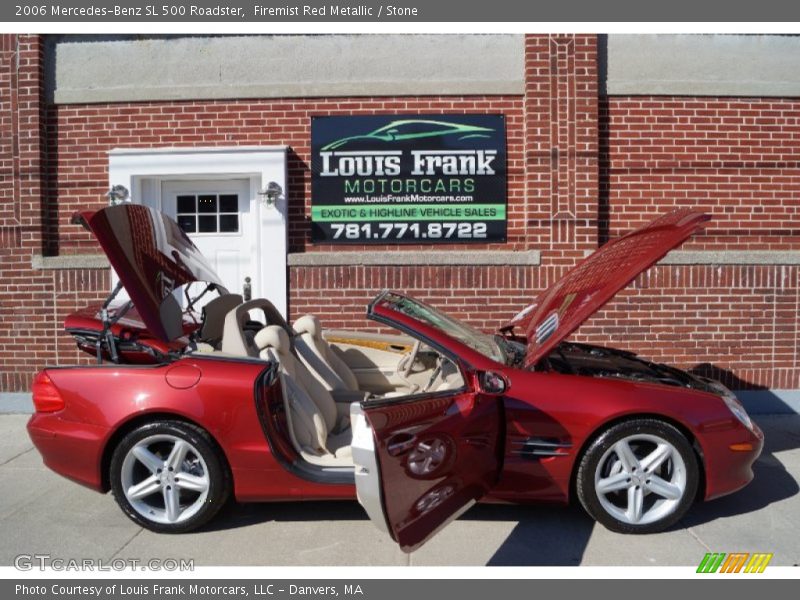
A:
{"x": 308, "y": 324}
{"x": 273, "y": 336}
{"x": 214, "y": 315}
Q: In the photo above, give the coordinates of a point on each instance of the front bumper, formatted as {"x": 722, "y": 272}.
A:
{"x": 729, "y": 470}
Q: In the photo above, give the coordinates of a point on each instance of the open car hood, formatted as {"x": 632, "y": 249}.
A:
{"x": 152, "y": 257}
{"x": 562, "y": 308}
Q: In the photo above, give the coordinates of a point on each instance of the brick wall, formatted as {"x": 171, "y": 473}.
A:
{"x": 561, "y": 144}
{"x": 735, "y": 323}
{"x": 33, "y": 303}
{"x": 581, "y": 169}
{"x": 738, "y": 159}
{"x": 82, "y": 135}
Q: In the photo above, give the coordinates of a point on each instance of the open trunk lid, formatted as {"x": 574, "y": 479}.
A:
{"x": 152, "y": 257}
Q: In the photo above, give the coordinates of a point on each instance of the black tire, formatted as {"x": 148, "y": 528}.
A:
{"x": 639, "y": 432}
{"x": 206, "y": 456}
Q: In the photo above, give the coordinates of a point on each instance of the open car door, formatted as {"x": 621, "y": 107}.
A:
{"x": 421, "y": 461}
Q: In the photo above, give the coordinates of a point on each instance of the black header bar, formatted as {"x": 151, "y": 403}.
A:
{"x": 398, "y": 11}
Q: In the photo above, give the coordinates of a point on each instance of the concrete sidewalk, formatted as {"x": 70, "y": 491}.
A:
{"x": 42, "y": 513}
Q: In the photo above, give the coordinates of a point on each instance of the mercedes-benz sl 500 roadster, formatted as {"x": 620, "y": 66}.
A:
{"x": 199, "y": 396}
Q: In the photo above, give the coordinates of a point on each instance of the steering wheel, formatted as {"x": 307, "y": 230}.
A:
{"x": 406, "y": 362}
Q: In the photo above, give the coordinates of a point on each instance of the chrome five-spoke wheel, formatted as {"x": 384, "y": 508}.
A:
{"x": 168, "y": 476}
{"x": 165, "y": 479}
{"x": 638, "y": 477}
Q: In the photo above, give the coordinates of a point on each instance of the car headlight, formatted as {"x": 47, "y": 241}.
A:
{"x": 735, "y": 406}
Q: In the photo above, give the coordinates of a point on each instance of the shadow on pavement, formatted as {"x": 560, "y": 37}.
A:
{"x": 771, "y": 483}
{"x": 545, "y": 535}
{"x": 237, "y": 515}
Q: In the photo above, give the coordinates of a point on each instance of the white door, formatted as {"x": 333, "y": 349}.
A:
{"x": 219, "y": 217}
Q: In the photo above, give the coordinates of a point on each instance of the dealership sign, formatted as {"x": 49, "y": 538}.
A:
{"x": 392, "y": 179}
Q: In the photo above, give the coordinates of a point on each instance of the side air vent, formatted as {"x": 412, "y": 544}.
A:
{"x": 535, "y": 448}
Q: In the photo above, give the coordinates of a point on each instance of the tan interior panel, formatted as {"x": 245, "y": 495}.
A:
{"x": 372, "y": 357}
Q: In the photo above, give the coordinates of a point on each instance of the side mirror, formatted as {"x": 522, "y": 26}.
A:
{"x": 493, "y": 383}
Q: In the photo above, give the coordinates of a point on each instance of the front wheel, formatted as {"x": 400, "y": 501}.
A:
{"x": 169, "y": 476}
{"x": 639, "y": 476}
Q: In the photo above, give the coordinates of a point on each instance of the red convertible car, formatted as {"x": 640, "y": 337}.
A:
{"x": 189, "y": 406}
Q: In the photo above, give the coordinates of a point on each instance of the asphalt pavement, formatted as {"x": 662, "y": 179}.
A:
{"x": 42, "y": 513}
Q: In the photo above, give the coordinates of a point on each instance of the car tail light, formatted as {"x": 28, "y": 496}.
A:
{"x": 46, "y": 397}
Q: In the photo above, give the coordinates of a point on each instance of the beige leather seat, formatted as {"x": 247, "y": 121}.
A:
{"x": 235, "y": 339}
{"x": 449, "y": 378}
{"x": 331, "y": 371}
{"x": 319, "y": 431}
{"x": 213, "y": 321}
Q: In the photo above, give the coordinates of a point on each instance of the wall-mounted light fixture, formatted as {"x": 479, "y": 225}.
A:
{"x": 271, "y": 193}
{"x": 117, "y": 195}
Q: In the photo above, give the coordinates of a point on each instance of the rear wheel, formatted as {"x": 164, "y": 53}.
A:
{"x": 640, "y": 476}
{"x": 169, "y": 476}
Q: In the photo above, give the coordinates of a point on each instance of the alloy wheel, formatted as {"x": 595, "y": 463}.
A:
{"x": 165, "y": 479}
{"x": 640, "y": 479}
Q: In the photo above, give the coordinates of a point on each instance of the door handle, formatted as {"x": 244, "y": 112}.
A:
{"x": 247, "y": 290}
{"x": 400, "y": 443}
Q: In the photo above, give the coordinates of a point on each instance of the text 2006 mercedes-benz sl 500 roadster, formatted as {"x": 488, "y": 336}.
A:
{"x": 196, "y": 400}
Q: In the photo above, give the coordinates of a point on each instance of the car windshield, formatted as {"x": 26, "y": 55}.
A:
{"x": 475, "y": 339}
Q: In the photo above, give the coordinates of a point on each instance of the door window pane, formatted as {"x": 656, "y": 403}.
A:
{"x": 186, "y": 204}
{"x": 207, "y": 204}
{"x": 228, "y": 203}
{"x": 207, "y": 224}
{"x": 229, "y": 223}
{"x": 188, "y": 223}
{"x": 208, "y": 213}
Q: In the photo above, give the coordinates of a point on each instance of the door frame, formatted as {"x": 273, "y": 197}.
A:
{"x": 143, "y": 170}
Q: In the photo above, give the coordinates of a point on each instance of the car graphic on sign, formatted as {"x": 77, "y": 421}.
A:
{"x": 410, "y": 129}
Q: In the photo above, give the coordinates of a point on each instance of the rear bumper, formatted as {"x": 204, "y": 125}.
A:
{"x": 71, "y": 449}
{"x": 729, "y": 470}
